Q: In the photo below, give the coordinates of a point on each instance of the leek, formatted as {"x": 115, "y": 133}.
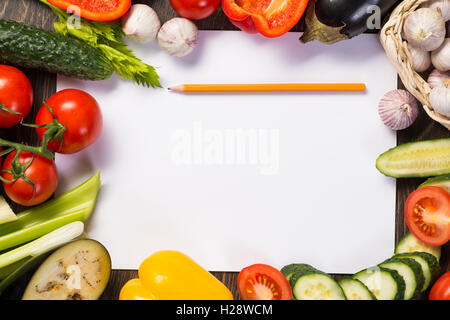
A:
{"x": 75, "y": 205}
{"x": 16, "y": 262}
{"x": 6, "y": 214}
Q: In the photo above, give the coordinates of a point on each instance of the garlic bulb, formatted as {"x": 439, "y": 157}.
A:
{"x": 440, "y": 99}
{"x": 421, "y": 59}
{"x": 178, "y": 37}
{"x": 398, "y": 109}
{"x": 141, "y": 23}
{"x": 425, "y": 29}
{"x": 437, "y": 78}
{"x": 443, "y": 5}
{"x": 441, "y": 57}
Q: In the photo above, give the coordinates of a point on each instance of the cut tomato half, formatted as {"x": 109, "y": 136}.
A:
{"x": 427, "y": 214}
{"x": 97, "y": 10}
{"x": 263, "y": 282}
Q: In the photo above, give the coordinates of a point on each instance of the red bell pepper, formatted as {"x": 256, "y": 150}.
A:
{"x": 97, "y": 10}
{"x": 271, "y": 18}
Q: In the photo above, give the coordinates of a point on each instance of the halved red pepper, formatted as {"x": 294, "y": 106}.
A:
{"x": 97, "y": 10}
{"x": 271, "y": 18}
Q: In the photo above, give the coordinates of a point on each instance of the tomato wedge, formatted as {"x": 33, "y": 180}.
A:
{"x": 427, "y": 214}
{"x": 263, "y": 282}
{"x": 97, "y": 10}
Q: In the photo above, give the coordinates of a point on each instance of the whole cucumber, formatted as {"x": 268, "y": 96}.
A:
{"x": 27, "y": 46}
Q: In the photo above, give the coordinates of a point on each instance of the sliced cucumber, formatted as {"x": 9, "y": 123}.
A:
{"x": 409, "y": 244}
{"x": 412, "y": 273}
{"x": 440, "y": 181}
{"x": 385, "y": 284}
{"x": 355, "y": 290}
{"x": 290, "y": 269}
{"x": 309, "y": 283}
{"x": 416, "y": 159}
{"x": 428, "y": 262}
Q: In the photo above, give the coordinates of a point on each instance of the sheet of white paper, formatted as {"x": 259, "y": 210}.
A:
{"x": 237, "y": 179}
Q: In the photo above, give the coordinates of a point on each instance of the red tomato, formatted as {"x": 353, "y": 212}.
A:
{"x": 263, "y": 282}
{"x": 79, "y": 112}
{"x": 195, "y": 9}
{"x": 441, "y": 288}
{"x": 42, "y": 172}
{"x": 427, "y": 214}
{"x": 16, "y": 94}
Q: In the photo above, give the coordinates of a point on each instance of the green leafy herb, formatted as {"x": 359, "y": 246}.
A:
{"x": 106, "y": 36}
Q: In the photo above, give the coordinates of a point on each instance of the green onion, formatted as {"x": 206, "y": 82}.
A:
{"x": 16, "y": 262}
{"x": 75, "y": 205}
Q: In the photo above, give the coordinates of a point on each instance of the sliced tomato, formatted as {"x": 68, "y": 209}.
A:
{"x": 263, "y": 282}
{"x": 427, "y": 214}
{"x": 97, "y": 10}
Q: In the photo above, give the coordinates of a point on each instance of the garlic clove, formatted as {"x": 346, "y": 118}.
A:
{"x": 443, "y": 5}
{"x": 436, "y": 78}
{"x": 440, "y": 99}
{"x": 398, "y": 109}
{"x": 178, "y": 37}
{"x": 425, "y": 29}
{"x": 421, "y": 59}
{"x": 141, "y": 23}
{"x": 441, "y": 57}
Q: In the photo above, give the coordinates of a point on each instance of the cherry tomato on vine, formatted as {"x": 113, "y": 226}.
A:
{"x": 39, "y": 170}
{"x": 427, "y": 214}
{"x": 78, "y": 112}
{"x": 16, "y": 96}
{"x": 441, "y": 288}
{"x": 263, "y": 282}
{"x": 195, "y": 9}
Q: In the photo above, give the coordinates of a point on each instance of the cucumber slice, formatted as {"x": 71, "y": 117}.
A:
{"x": 290, "y": 269}
{"x": 416, "y": 159}
{"x": 355, "y": 290}
{"x": 412, "y": 273}
{"x": 440, "y": 181}
{"x": 410, "y": 243}
{"x": 428, "y": 262}
{"x": 385, "y": 284}
{"x": 311, "y": 284}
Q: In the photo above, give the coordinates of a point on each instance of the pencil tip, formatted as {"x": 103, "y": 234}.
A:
{"x": 177, "y": 88}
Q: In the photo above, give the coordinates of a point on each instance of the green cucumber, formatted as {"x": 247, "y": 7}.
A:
{"x": 385, "y": 284}
{"x": 309, "y": 283}
{"x": 31, "y": 47}
{"x": 355, "y": 290}
{"x": 416, "y": 159}
{"x": 428, "y": 262}
{"x": 412, "y": 273}
{"x": 409, "y": 243}
{"x": 439, "y": 181}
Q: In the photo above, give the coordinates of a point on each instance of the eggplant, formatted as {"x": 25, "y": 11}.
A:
{"x": 330, "y": 21}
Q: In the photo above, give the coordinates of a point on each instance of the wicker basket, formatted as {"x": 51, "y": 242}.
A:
{"x": 399, "y": 55}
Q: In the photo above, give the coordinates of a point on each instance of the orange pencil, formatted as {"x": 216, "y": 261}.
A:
{"x": 271, "y": 87}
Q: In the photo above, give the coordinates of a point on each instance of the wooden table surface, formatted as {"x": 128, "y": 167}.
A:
{"x": 44, "y": 84}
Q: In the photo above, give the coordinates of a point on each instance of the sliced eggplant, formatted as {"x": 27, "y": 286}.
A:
{"x": 330, "y": 21}
{"x": 78, "y": 271}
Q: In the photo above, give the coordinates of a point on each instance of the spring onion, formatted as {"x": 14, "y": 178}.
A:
{"x": 6, "y": 214}
{"x": 75, "y": 205}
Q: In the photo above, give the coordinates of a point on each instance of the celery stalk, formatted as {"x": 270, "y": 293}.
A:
{"x": 17, "y": 261}
{"x": 75, "y": 205}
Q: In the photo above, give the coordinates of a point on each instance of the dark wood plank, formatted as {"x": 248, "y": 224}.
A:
{"x": 44, "y": 84}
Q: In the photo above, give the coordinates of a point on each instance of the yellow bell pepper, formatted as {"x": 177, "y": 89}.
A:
{"x": 172, "y": 275}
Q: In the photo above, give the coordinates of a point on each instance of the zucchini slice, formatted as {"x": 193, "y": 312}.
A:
{"x": 416, "y": 159}
{"x": 412, "y": 273}
{"x": 385, "y": 284}
{"x": 440, "y": 181}
{"x": 410, "y": 243}
{"x": 79, "y": 270}
{"x": 309, "y": 283}
{"x": 428, "y": 262}
{"x": 355, "y": 290}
